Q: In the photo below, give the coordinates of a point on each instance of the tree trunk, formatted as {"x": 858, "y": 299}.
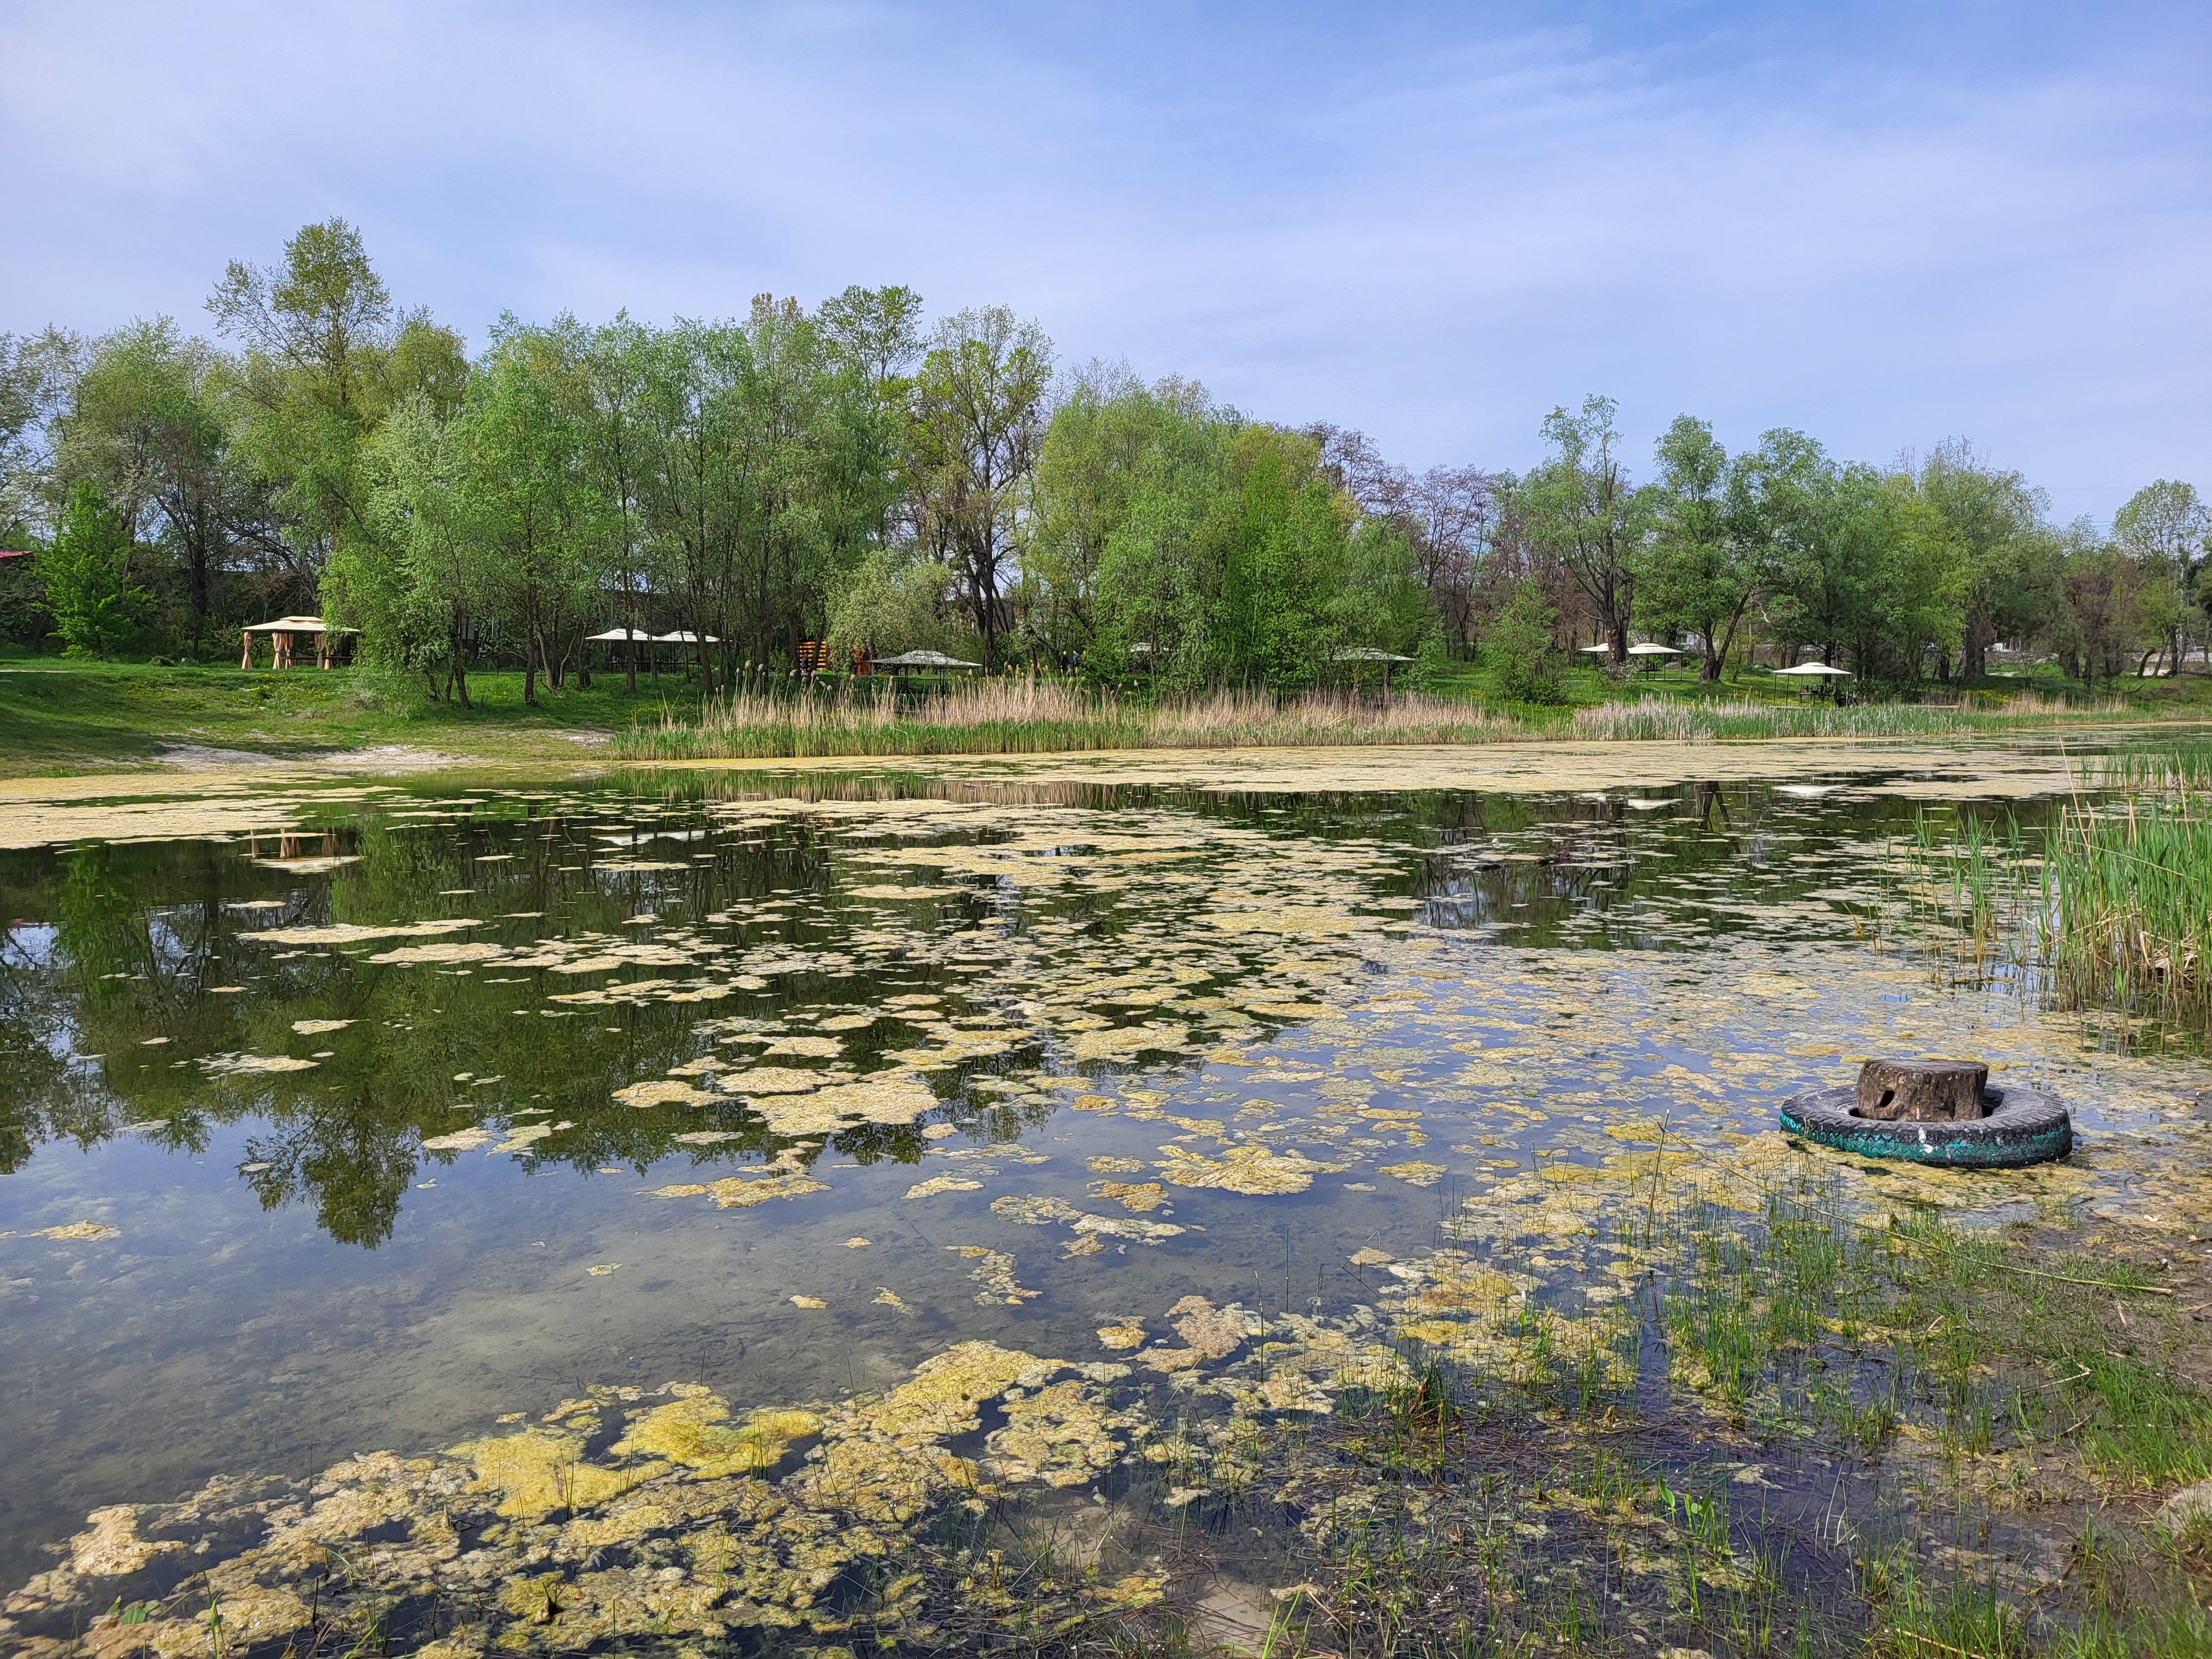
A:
{"x": 1922, "y": 1090}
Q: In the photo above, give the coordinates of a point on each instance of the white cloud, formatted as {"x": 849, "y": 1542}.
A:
{"x": 1411, "y": 226}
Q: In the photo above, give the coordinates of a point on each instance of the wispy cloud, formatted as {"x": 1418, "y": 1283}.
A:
{"x": 1883, "y": 225}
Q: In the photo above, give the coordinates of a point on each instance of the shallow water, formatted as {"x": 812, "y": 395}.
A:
{"x": 349, "y": 1091}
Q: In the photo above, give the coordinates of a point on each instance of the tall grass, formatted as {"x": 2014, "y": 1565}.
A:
{"x": 1667, "y": 721}
{"x": 2127, "y": 887}
{"x": 1027, "y": 716}
{"x": 2112, "y": 902}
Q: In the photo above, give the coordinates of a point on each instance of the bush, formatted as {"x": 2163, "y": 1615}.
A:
{"x": 1523, "y": 663}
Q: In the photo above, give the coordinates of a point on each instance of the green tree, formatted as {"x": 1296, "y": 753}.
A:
{"x": 886, "y": 607}
{"x": 325, "y": 355}
{"x": 1582, "y": 514}
{"x": 696, "y": 484}
{"x": 870, "y": 339}
{"x": 1108, "y": 439}
{"x": 2163, "y": 528}
{"x": 142, "y": 423}
{"x": 1988, "y": 522}
{"x": 531, "y": 499}
{"x": 94, "y": 605}
{"x": 1697, "y": 574}
{"x": 1519, "y": 651}
{"x": 1287, "y": 561}
{"x": 2099, "y": 619}
{"x": 416, "y": 591}
{"x": 37, "y": 372}
{"x": 616, "y": 367}
{"x": 977, "y": 425}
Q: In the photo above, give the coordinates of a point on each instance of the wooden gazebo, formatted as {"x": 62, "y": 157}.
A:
{"x": 284, "y": 635}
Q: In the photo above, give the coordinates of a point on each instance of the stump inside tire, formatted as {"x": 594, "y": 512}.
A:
{"x": 2022, "y": 1125}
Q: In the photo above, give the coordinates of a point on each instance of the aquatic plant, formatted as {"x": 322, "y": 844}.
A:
{"x": 1017, "y": 715}
{"x": 2127, "y": 886}
{"x": 1685, "y": 720}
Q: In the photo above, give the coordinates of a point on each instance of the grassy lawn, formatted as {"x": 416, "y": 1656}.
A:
{"x": 2189, "y": 695}
{"x": 60, "y": 717}
{"x": 57, "y": 717}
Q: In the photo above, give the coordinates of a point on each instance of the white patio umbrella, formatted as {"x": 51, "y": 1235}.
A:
{"x": 924, "y": 659}
{"x": 1816, "y": 670}
{"x": 1653, "y": 651}
{"x": 681, "y": 637}
{"x": 1595, "y": 650}
{"x": 619, "y": 634}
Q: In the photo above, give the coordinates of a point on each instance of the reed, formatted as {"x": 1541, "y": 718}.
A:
{"x": 1027, "y": 714}
{"x": 2128, "y": 902}
{"x": 1022, "y": 715}
{"x": 1668, "y": 720}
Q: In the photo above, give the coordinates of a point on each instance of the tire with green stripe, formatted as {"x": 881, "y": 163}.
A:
{"x": 2024, "y": 1126}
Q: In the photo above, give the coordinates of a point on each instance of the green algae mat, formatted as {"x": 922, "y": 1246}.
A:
{"x": 1038, "y": 1206}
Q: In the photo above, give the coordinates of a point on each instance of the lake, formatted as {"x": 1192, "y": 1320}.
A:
{"x": 343, "y": 1115}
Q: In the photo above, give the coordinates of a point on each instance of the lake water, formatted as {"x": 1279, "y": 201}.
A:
{"x": 342, "y": 1116}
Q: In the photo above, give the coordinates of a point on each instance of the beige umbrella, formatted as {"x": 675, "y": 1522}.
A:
{"x": 924, "y": 659}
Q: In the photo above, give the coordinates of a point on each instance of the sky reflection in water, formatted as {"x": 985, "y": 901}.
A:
{"x": 1123, "y": 1045}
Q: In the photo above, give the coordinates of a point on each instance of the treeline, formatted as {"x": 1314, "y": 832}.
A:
{"x": 843, "y": 475}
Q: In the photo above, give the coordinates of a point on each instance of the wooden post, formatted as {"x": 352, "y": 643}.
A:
{"x": 1922, "y": 1090}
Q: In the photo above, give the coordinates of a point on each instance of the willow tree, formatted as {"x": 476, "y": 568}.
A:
{"x": 978, "y": 422}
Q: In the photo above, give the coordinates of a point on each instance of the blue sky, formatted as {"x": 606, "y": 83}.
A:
{"x": 1885, "y": 224}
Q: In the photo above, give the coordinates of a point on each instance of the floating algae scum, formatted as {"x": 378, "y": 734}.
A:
{"x": 1306, "y": 1202}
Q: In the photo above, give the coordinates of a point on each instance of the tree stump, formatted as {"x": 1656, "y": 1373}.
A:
{"x": 1922, "y": 1090}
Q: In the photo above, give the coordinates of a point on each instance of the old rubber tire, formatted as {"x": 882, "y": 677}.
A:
{"x": 2025, "y": 1126}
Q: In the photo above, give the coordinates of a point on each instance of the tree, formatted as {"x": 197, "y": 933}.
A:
{"x": 2100, "y": 592}
{"x": 36, "y": 375}
{"x": 416, "y": 592}
{"x": 1519, "y": 651}
{"x": 92, "y": 603}
{"x": 978, "y": 423}
{"x": 325, "y": 355}
{"x": 1698, "y": 573}
{"x": 1446, "y": 515}
{"x": 1110, "y": 438}
{"x": 530, "y": 495}
{"x": 886, "y": 607}
{"x": 1581, "y": 512}
{"x": 616, "y": 366}
{"x": 696, "y": 484}
{"x": 2163, "y": 528}
{"x": 142, "y": 423}
{"x": 1286, "y": 564}
{"x": 1987, "y": 522}
{"x": 1782, "y": 510}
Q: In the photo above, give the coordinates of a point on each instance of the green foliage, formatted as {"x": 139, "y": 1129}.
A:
{"x": 1188, "y": 547}
{"x": 1581, "y": 514}
{"x": 1701, "y": 570}
{"x": 977, "y": 420}
{"x": 885, "y": 607}
{"x": 732, "y": 478}
{"x": 1523, "y": 660}
{"x": 93, "y": 604}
